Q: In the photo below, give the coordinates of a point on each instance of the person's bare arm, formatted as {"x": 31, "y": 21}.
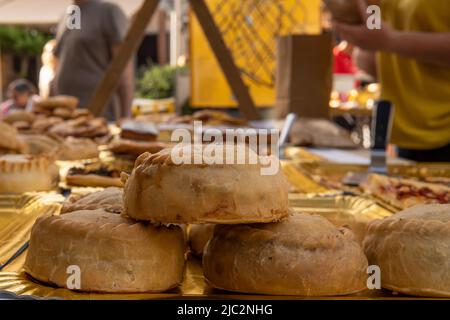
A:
{"x": 366, "y": 61}
{"x": 125, "y": 87}
{"x": 429, "y": 47}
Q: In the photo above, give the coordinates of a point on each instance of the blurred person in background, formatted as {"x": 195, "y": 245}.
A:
{"x": 21, "y": 93}
{"x": 47, "y": 72}
{"x": 84, "y": 55}
{"x": 410, "y": 56}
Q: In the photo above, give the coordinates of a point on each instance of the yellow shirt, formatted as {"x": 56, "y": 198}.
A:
{"x": 420, "y": 91}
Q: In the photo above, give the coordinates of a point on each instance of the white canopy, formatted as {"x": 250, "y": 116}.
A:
{"x": 47, "y": 12}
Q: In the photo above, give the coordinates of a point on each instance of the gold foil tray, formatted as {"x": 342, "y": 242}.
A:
{"x": 193, "y": 287}
{"x": 336, "y": 171}
{"x": 17, "y": 215}
{"x": 302, "y": 183}
{"x": 354, "y": 212}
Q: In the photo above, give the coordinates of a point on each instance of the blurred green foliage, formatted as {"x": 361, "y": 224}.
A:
{"x": 157, "y": 82}
{"x": 22, "y": 41}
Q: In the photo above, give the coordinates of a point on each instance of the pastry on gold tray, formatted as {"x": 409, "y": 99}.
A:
{"x": 302, "y": 255}
{"x": 110, "y": 253}
{"x": 412, "y": 249}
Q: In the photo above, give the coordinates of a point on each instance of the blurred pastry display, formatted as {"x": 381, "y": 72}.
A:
{"x": 134, "y": 148}
{"x": 27, "y": 173}
{"x": 94, "y": 174}
{"x": 112, "y": 253}
{"x": 302, "y": 255}
{"x": 9, "y": 141}
{"x": 20, "y": 119}
{"x": 49, "y": 105}
{"x": 412, "y": 249}
{"x": 40, "y": 144}
{"x": 78, "y": 148}
{"x": 320, "y": 133}
{"x": 109, "y": 199}
{"x": 82, "y": 127}
{"x": 141, "y": 131}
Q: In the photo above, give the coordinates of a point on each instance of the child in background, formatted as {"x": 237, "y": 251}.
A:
{"x": 21, "y": 94}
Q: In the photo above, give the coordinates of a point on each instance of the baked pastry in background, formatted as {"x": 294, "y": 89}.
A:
{"x": 109, "y": 200}
{"x": 27, "y": 173}
{"x": 78, "y": 148}
{"x": 95, "y": 174}
{"x": 9, "y": 141}
{"x": 405, "y": 193}
{"x": 303, "y": 255}
{"x": 159, "y": 190}
{"x": 43, "y": 124}
{"x": 134, "y": 148}
{"x": 63, "y": 113}
{"x": 114, "y": 254}
{"x": 19, "y": 116}
{"x": 412, "y": 249}
{"x": 82, "y": 127}
{"x": 138, "y": 130}
{"x": 321, "y": 133}
{"x": 199, "y": 235}
{"x": 40, "y": 144}
{"x": 62, "y": 101}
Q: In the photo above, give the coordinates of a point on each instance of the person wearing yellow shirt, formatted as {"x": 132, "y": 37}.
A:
{"x": 410, "y": 56}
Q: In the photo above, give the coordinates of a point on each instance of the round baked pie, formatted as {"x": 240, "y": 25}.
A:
{"x": 27, "y": 173}
{"x": 39, "y": 144}
{"x": 160, "y": 190}
{"x": 303, "y": 255}
{"x": 78, "y": 149}
{"x": 52, "y": 103}
{"x": 9, "y": 141}
{"x": 109, "y": 252}
{"x": 412, "y": 249}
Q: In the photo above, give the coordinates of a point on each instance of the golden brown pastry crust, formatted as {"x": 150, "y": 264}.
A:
{"x": 135, "y": 148}
{"x": 302, "y": 255}
{"x": 412, "y": 249}
{"x": 26, "y": 173}
{"x": 78, "y": 148}
{"x": 138, "y": 130}
{"x": 199, "y": 235}
{"x": 109, "y": 200}
{"x": 62, "y": 101}
{"x": 19, "y": 116}
{"x": 9, "y": 139}
{"x": 114, "y": 254}
{"x": 84, "y": 127}
{"x": 160, "y": 191}
{"x": 43, "y": 124}
{"x": 39, "y": 144}
{"x": 93, "y": 180}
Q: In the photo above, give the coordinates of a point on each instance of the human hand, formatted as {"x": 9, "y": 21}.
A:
{"x": 363, "y": 37}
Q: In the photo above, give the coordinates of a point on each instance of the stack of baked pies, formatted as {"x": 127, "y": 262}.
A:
{"x": 257, "y": 244}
